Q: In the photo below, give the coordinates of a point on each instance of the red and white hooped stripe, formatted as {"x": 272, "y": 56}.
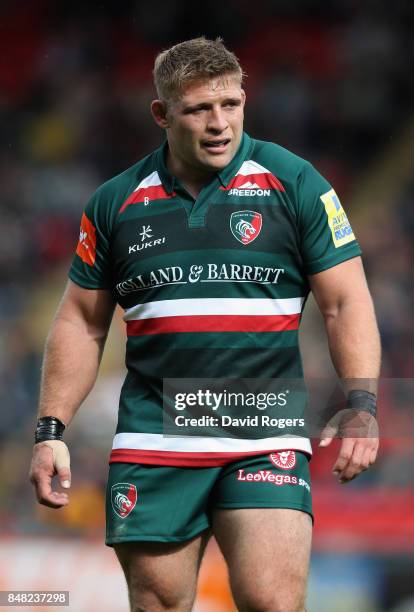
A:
{"x": 214, "y": 315}
{"x": 196, "y": 451}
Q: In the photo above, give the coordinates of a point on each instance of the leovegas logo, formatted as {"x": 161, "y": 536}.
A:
{"x": 86, "y": 248}
{"x": 267, "y": 476}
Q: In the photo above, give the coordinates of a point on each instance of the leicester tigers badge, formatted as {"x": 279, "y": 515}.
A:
{"x": 245, "y": 225}
{"x": 123, "y": 498}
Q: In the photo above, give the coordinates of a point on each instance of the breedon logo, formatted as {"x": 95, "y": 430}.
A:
{"x": 253, "y": 180}
{"x": 245, "y": 225}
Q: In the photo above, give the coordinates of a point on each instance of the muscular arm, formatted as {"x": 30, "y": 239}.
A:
{"x": 72, "y": 356}
{"x": 73, "y": 350}
{"x": 344, "y": 300}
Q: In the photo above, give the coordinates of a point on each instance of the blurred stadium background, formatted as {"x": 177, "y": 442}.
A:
{"x": 330, "y": 80}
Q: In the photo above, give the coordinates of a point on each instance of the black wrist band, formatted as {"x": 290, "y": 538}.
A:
{"x": 359, "y": 399}
{"x": 49, "y": 428}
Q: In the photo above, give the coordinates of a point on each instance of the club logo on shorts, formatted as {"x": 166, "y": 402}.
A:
{"x": 245, "y": 225}
{"x": 286, "y": 460}
{"x": 123, "y": 498}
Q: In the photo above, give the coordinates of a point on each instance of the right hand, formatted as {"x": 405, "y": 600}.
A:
{"x": 50, "y": 458}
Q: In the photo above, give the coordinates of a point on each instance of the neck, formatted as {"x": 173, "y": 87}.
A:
{"x": 192, "y": 178}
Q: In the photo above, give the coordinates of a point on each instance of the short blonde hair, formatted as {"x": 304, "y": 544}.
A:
{"x": 190, "y": 61}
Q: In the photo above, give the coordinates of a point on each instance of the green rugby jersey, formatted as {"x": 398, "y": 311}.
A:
{"x": 211, "y": 288}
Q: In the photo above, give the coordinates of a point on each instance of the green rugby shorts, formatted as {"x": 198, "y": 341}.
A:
{"x": 174, "y": 504}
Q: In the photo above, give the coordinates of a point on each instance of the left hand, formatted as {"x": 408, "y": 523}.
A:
{"x": 359, "y": 432}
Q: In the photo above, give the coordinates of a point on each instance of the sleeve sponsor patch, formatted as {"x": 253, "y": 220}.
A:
{"x": 86, "y": 248}
{"x": 340, "y": 227}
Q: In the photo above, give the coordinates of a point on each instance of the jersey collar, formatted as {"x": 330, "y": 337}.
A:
{"x": 243, "y": 152}
{"x": 225, "y": 175}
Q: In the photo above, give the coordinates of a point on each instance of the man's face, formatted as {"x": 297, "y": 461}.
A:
{"x": 205, "y": 124}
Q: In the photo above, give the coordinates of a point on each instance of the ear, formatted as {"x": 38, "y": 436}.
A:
{"x": 243, "y": 93}
{"x": 159, "y": 112}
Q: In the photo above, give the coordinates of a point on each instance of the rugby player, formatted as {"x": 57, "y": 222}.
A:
{"x": 211, "y": 245}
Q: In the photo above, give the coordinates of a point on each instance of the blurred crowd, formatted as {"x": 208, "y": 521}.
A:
{"x": 329, "y": 80}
